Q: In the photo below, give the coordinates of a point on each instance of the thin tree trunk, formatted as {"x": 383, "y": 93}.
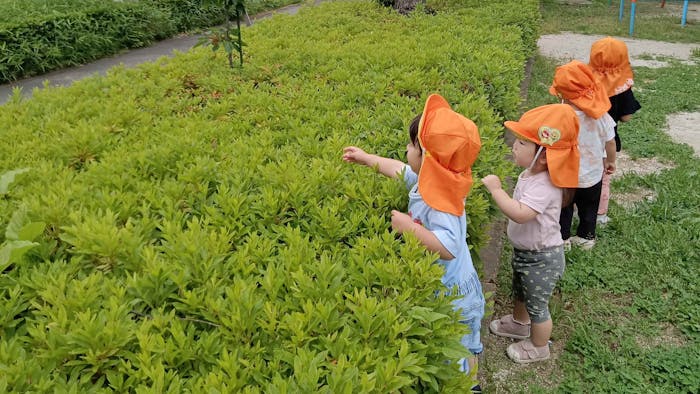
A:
{"x": 240, "y": 42}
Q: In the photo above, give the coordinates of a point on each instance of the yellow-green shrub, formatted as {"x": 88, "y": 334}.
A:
{"x": 202, "y": 231}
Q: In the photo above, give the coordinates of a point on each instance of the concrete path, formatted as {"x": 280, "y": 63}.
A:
{"x": 568, "y": 46}
{"x": 128, "y": 58}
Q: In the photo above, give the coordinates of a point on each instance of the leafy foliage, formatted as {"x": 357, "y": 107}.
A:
{"x": 7, "y": 178}
{"x": 20, "y": 233}
{"x": 201, "y": 230}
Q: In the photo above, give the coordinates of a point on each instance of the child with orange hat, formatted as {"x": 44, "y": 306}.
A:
{"x": 443, "y": 146}
{"x": 576, "y": 85}
{"x": 611, "y": 66}
{"x": 547, "y": 147}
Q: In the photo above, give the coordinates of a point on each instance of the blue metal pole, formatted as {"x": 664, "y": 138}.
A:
{"x": 632, "y": 11}
{"x": 622, "y": 9}
{"x": 685, "y": 12}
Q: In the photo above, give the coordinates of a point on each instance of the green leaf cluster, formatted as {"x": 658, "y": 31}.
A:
{"x": 20, "y": 233}
{"x": 523, "y": 15}
{"x": 201, "y": 230}
{"x": 19, "y": 237}
{"x": 8, "y": 178}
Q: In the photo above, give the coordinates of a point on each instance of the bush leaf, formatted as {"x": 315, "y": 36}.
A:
{"x": 7, "y": 178}
{"x": 12, "y": 251}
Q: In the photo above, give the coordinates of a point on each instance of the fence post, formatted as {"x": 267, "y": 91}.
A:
{"x": 622, "y": 9}
{"x": 685, "y": 12}
{"x": 632, "y": 12}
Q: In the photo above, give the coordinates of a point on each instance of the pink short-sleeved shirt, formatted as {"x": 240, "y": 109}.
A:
{"x": 537, "y": 192}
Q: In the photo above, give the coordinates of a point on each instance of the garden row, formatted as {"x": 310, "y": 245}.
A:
{"x": 202, "y": 233}
{"x": 39, "y": 36}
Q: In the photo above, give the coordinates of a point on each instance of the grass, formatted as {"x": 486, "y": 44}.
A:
{"x": 626, "y": 314}
{"x": 651, "y": 21}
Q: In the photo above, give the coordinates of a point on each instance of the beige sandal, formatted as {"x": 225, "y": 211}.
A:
{"x": 524, "y": 352}
{"x": 508, "y": 327}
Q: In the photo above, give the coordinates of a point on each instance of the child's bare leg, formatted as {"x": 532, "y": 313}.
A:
{"x": 604, "y": 195}
{"x": 473, "y": 362}
{"x": 520, "y": 312}
{"x": 541, "y": 332}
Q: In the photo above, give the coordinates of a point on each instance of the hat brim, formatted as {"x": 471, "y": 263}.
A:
{"x": 520, "y": 131}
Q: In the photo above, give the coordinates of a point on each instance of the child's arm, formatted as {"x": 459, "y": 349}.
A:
{"x": 626, "y": 118}
{"x": 514, "y": 210}
{"x": 389, "y": 167}
{"x": 402, "y": 223}
{"x": 610, "y": 154}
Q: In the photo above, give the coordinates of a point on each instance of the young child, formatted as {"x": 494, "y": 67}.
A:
{"x": 546, "y": 146}
{"x": 576, "y": 85}
{"x": 611, "y": 66}
{"x": 443, "y": 146}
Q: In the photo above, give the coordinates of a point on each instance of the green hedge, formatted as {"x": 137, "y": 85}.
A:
{"x": 202, "y": 232}
{"x": 524, "y": 15}
{"x": 41, "y": 36}
{"x": 59, "y": 40}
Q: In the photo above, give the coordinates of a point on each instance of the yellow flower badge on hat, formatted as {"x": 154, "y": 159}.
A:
{"x": 548, "y": 135}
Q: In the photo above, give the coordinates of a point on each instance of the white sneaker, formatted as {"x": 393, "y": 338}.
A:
{"x": 602, "y": 219}
{"x": 567, "y": 244}
{"x": 583, "y": 243}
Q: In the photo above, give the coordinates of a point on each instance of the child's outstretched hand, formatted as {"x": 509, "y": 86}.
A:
{"x": 400, "y": 222}
{"x": 353, "y": 154}
{"x": 492, "y": 182}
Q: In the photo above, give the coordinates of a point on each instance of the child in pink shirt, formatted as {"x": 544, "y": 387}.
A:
{"x": 547, "y": 148}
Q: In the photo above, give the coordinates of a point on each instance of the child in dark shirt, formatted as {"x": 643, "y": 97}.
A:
{"x": 610, "y": 62}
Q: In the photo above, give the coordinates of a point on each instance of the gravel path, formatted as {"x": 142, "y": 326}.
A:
{"x": 569, "y": 46}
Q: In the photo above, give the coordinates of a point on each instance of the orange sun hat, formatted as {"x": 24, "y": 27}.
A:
{"x": 450, "y": 144}
{"x": 574, "y": 81}
{"x": 611, "y": 65}
{"x": 555, "y": 127}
